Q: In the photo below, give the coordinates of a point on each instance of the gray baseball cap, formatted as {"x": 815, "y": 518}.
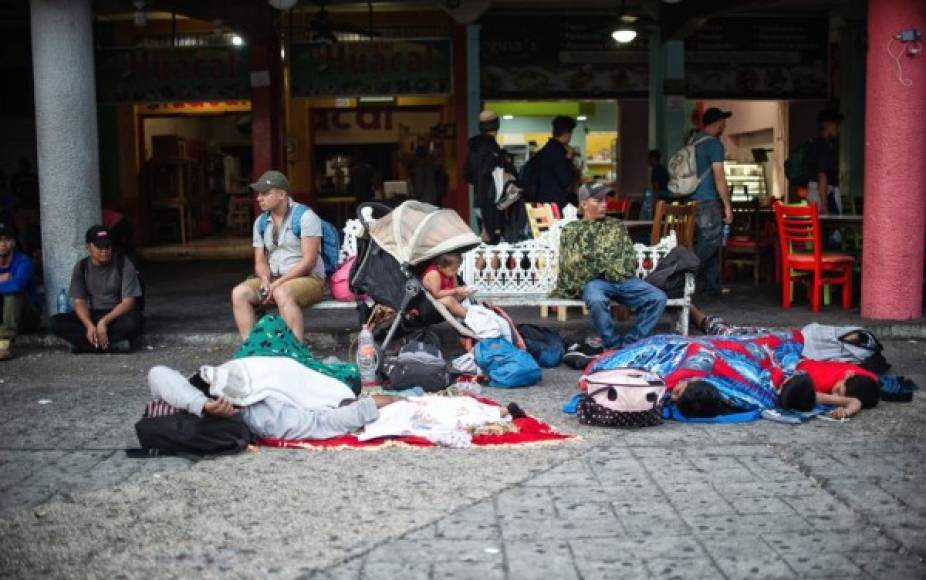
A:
{"x": 595, "y": 189}
{"x": 271, "y": 180}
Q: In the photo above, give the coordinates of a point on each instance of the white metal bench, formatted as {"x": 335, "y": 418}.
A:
{"x": 524, "y": 274}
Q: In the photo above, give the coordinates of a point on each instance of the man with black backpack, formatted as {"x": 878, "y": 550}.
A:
{"x": 483, "y": 156}
{"x": 107, "y": 296}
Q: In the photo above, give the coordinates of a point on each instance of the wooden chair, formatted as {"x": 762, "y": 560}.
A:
{"x": 744, "y": 246}
{"x": 802, "y": 256}
{"x": 540, "y": 216}
{"x": 677, "y": 218}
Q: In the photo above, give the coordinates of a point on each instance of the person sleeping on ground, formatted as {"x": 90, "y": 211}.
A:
{"x": 845, "y": 385}
{"x": 276, "y": 397}
{"x": 708, "y": 376}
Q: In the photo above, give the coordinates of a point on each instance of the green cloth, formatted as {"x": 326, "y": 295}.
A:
{"x": 271, "y": 337}
{"x": 593, "y": 249}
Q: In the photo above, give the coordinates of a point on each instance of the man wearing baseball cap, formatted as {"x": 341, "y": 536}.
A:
{"x": 712, "y": 195}
{"x": 483, "y": 156}
{"x": 106, "y": 293}
{"x": 289, "y": 271}
{"x": 597, "y": 262}
{"x": 19, "y": 302}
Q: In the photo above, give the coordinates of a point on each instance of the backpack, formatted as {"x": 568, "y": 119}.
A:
{"x": 331, "y": 239}
{"x": 419, "y": 365}
{"x": 183, "y": 432}
{"x": 797, "y": 165}
{"x": 529, "y": 180}
{"x": 120, "y": 266}
{"x": 622, "y": 397}
{"x": 544, "y": 344}
{"x": 683, "y": 169}
{"x": 506, "y": 366}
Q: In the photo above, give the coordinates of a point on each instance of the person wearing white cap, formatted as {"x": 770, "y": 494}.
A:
{"x": 483, "y": 157}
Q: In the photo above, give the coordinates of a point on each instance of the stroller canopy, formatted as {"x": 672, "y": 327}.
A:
{"x": 416, "y": 232}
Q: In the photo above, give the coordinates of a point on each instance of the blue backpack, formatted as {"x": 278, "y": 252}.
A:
{"x": 544, "y": 344}
{"x": 506, "y": 366}
{"x": 331, "y": 238}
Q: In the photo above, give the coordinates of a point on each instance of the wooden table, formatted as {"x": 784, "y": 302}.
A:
{"x": 638, "y": 223}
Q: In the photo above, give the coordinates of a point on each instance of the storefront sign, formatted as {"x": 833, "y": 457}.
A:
{"x": 341, "y": 126}
{"x": 528, "y": 56}
{"x": 354, "y": 69}
{"x": 534, "y": 56}
{"x": 758, "y": 58}
{"x": 135, "y": 75}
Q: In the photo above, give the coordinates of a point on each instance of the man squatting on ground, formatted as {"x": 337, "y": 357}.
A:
{"x": 104, "y": 290}
{"x": 289, "y": 272}
{"x": 598, "y": 263}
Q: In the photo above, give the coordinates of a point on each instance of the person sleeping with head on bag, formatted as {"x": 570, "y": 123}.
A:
{"x": 711, "y": 376}
{"x": 276, "y": 397}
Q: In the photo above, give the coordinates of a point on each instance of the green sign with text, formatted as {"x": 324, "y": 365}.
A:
{"x": 203, "y": 73}
{"x": 356, "y": 69}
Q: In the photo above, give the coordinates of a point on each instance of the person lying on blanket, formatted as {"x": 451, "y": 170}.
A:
{"x": 707, "y": 377}
{"x": 276, "y": 397}
{"x": 848, "y": 387}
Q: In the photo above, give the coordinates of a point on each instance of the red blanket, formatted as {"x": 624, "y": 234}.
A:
{"x": 529, "y": 430}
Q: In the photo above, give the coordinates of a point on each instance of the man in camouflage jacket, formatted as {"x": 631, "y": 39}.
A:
{"x": 597, "y": 262}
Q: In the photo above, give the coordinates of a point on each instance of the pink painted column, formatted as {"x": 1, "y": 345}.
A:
{"x": 895, "y": 165}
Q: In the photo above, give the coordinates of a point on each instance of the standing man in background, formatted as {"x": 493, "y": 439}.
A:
{"x": 713, "y": 197}
{"x": 823, "y": 187}
{"x": 556, "y": 171}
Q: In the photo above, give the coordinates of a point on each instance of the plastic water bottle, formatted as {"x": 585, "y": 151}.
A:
{"x": 726, "y": 234}
{"x": 64, "y": 303}
{"x": 367, "y": 358}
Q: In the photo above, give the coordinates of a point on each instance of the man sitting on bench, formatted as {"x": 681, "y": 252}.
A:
{"x": 597, "y": 262}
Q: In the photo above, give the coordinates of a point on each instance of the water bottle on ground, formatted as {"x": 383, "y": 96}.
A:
{"x": 726, "y": 234}
{"x": 64, "y": 303}
{"x": 367, "y": 358}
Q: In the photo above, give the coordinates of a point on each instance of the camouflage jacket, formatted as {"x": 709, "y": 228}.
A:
{"x": 597, "y": 249}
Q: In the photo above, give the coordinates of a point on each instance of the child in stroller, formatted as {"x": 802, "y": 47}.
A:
{"x": 440, "y": 279}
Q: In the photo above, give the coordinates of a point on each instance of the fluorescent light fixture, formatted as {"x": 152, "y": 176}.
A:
{"x": 376, "y": 99}
{"x": 282, "y": 53}
{"x": 237, "y": 40}
{"x": 624, "y": 34}
{"x": 507, "y": 117}
{"x": 581, "y": 118}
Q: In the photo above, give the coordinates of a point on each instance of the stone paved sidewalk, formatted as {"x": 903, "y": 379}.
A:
{"x": 681, "y": 500}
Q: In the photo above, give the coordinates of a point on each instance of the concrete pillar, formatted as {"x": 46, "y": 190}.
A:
{"x": 633, "y": 172}
{"x": 895, "y": 170}
{"x": 66, "y": 134}
{"x": 675, "y": 124}
{"x": 473, "y": 97}
{"x": 267, "y": 114}
{"x": 459, "y": 197}
{"x": 656, "y": 102}
{"x": 852, "y": 106}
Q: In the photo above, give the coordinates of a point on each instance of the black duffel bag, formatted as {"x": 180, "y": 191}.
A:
{"x": 419, "y": 365}
{"x": 186, "y": 433}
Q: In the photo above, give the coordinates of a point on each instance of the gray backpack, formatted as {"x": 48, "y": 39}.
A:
{"x": 683, "y": 169}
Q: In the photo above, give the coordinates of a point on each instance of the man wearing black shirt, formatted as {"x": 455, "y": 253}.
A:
{"x": 557, "y": 174}
{"x": 823, "y": 188}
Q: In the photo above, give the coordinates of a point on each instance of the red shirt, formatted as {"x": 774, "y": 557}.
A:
{"x": 825, "y": 374}
{"x": 446, "y": 282}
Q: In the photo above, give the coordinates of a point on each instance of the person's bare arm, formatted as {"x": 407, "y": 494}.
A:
{"x": 83, "y": 314}
{"x": 720, "y": 179}
{"x": 823, "y": 190}
{"x": 845, "y": 406}
{"x": 431, "y": 283}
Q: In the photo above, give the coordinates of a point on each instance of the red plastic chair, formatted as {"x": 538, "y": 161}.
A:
{"x": 801, "y": 256}
{"x": 618, "y": 206}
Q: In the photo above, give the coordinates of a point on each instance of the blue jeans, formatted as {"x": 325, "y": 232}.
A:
{"x": 646, "y": 299}
{"x": 708, "y": 238}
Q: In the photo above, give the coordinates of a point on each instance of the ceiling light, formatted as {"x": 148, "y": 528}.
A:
{"x": 624, "y": 34}
{"x": 237, "y": 40}
{"x": 507, "y": 117}
{"x": 282, "y": 53}
{"x": 581, "y": 118}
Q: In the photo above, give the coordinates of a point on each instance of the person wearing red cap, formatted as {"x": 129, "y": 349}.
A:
{"x": 105, "y": 290}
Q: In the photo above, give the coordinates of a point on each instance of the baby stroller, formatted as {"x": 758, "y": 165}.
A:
{"x": 392, "y": 253}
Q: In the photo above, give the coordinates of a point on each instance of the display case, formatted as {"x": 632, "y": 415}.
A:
{"x": 745, "y": 180}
